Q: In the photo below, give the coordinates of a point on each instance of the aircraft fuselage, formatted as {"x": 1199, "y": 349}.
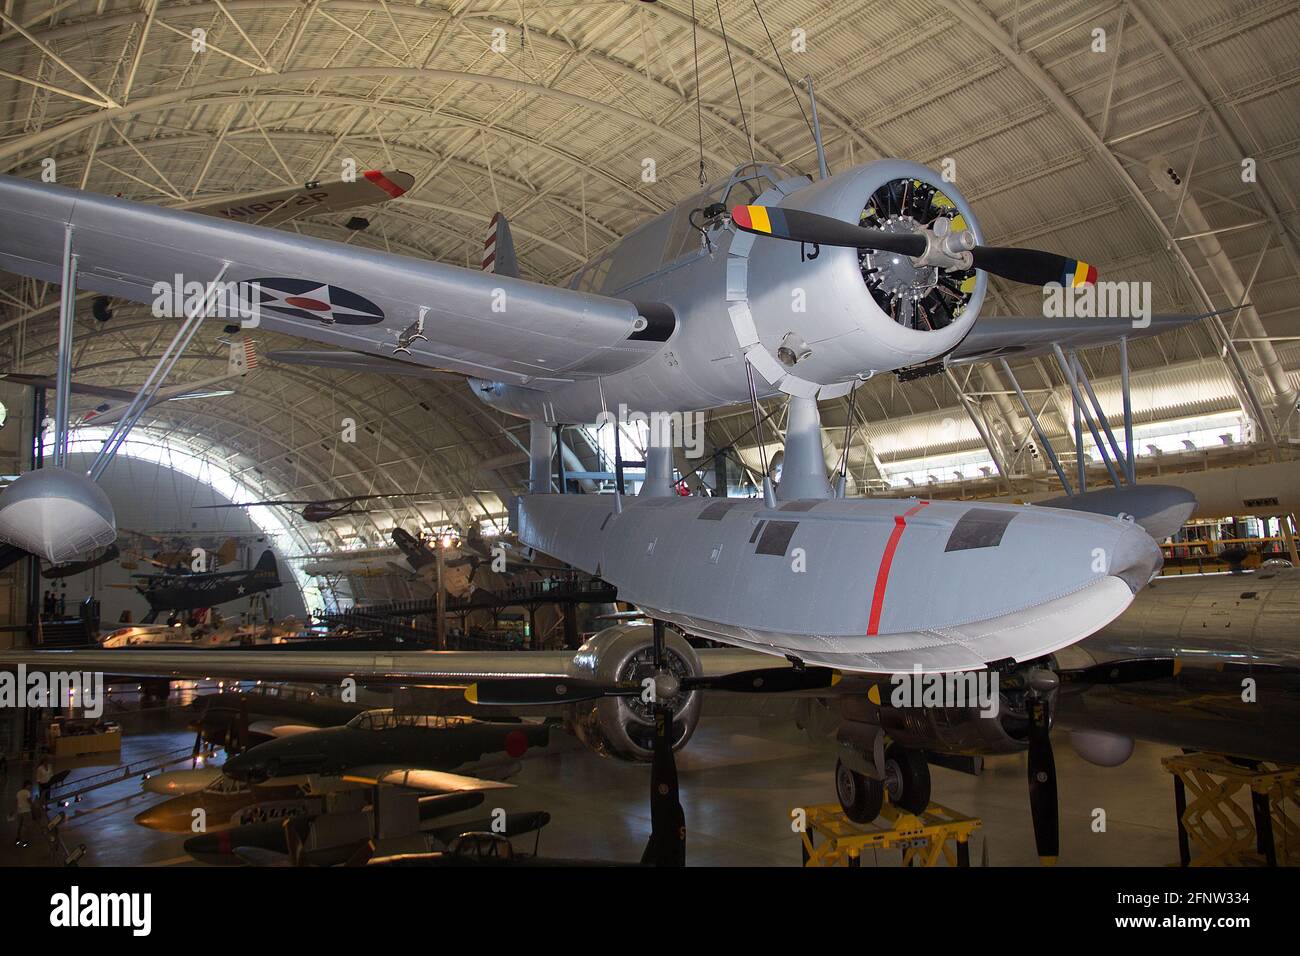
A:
{"x": 739, "y": 299}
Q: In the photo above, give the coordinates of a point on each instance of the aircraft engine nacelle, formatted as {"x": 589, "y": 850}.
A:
{"x": 968, "y": 730}
{"x": 829, "y": 314}
{"x": 623, "y": 727}
{"x": 952, "y": 730}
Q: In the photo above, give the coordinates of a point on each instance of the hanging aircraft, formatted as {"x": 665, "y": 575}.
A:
{"x": 188, "y": 591}
{"x": 323, "y": 509}
{"x": 804, "y": 290}
{"x": 694, "y": 310}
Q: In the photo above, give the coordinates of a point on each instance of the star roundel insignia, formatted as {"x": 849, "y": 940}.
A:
{"x": 318, "y": 301}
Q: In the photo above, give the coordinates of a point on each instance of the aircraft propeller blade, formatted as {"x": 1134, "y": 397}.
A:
{"x": 770, "y": 680}
{"x": 1030, "y": 266}
{"x": 1043, "y": 807}
{"x": 667, "y": 843}
{"x": 1126, "y": 671}
{"x": 799, "y": 226}
{"x": 543, "y": 691}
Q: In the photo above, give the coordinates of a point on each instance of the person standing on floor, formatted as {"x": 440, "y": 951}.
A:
{"x": 24, "y": 812}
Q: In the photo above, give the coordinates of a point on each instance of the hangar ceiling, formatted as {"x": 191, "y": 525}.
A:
{"x": 1051, "y": 141}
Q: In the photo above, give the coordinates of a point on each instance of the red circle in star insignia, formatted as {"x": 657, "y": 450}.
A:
{"x": 516, "y": 743}
{"x": 302, "y": 302}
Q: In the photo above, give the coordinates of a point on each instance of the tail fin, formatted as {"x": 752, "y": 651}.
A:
{"x": 243, "y": 356}
{"x": 499, "y": 248}
{"x": 226, "y": 553}
{"x": 265, "y": 567}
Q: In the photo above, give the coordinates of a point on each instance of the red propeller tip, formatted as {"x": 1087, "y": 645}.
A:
{"x": 740, "y": 216}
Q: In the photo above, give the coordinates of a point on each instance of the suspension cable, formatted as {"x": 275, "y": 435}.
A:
{"x": 789, "y": 82}
{"x": 699, "y": 110}
{"x": 740, "y": 104}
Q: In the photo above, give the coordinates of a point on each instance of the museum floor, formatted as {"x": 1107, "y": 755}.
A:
{"x": 740, "y": 778}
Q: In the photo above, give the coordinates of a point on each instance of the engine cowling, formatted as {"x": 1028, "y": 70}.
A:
{"x": 940, "y": 728}
{"x": 622, "y": 727}
{"x": 848, "y": 313}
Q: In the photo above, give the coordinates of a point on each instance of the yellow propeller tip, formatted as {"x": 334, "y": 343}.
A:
{"x": 1047, "y": 860}
{"x": 471, "y": 693}
{"x": 873, "y": 694}
{"x": 836, "y": 677}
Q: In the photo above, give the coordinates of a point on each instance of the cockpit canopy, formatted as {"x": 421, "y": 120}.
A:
{"x": 387, "y": 719}
{"x": 675, "y": 236}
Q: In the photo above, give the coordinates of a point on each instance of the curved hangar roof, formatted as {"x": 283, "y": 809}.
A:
{"x": 547, "y": 110}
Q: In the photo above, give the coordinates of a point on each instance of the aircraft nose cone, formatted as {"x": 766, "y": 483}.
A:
{"x": 152, "y": 818}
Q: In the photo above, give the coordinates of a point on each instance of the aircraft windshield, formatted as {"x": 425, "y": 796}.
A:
{"x": 388, "y": 719}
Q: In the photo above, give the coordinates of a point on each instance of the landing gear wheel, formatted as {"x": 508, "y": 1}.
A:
{"x": 907, "y": 776}
{"x": 860, "y": 797}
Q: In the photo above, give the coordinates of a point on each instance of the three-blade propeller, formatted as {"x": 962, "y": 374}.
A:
{"x": 1043, "y": 807}
{"x": 667, "y": 843}
{"x": 1030, "y": 266}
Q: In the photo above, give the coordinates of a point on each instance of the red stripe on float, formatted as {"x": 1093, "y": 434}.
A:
{"x": 887, "y": 559}
{"x": 384, "y": 183}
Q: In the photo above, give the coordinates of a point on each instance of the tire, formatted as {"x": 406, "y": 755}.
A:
{"x": 860, "y": 797}
{"x": 909, "y": 774}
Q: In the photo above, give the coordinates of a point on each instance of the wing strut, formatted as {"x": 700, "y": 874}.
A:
{"x": 156, "y": 377}
{"x": 63, "y": 381}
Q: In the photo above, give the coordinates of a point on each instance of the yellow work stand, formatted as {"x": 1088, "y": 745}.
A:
{"x": 1266, "y": 832}
{"x": 938, "y": 834}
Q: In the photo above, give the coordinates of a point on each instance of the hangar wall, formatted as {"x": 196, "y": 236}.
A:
{"x": 156, "y": 500}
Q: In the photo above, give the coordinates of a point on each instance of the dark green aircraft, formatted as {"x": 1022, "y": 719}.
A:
{"x": 381, "y": 746}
